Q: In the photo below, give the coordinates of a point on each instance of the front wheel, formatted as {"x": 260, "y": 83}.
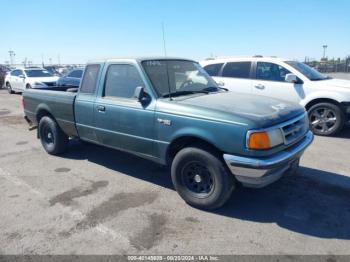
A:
{"x": 201, "y": 178}
{"x": 53, "y": 139}
{"x": 326, "y": 119}
{"x": 9, "y": 88}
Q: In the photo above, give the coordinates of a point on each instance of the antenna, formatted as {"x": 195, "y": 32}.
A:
{"x": 164, "y": 45}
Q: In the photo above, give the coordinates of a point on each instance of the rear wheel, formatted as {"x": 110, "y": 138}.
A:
{"x": 9, "y": 88}
{"x": 326, "y": 119}
{"x": 201, "y": 178}
{"x": 53, "y": 139}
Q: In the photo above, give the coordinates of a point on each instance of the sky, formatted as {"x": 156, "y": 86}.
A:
{"x": 80, "y": 30}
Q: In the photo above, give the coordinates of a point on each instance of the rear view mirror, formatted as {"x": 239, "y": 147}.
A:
{"x": 141, "y": 95}
{"x": 291, "y": 78}
{"x": 22, "y": 76}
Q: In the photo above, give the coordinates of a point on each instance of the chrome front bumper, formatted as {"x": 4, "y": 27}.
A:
{"x": 259, "y": 172}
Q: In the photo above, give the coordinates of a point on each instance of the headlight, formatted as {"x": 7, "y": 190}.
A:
{"x": 264, "y": 139}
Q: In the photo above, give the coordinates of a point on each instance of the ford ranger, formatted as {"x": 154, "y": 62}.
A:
{"x": 171, "y": 111}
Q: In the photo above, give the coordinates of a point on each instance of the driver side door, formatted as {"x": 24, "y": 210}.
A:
{"x": 121, "y": 120}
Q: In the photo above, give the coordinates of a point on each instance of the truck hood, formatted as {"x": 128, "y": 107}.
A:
{"x": 254, "y": 111}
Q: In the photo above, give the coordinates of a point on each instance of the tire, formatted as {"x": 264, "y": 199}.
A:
{"x": 326, "y": 119}
{"x": 52, "y": 137}
{"x": 9, "y": 88}
{"x": 28, "y": 86}
{"x": 201, "y": 178}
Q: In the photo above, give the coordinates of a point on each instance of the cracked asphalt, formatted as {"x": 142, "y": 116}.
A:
{"x": 94, "y": 200}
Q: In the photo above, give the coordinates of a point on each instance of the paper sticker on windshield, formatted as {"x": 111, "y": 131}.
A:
{"x": 153, "y": 63}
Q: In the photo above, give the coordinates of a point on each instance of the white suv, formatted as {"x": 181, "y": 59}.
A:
{"x": 20, "y": 79}
{"x": 327, "y": 100}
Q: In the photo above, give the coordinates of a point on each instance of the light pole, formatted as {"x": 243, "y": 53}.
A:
{"x": 324, "y": 50}
{"x": 12, "y": 56}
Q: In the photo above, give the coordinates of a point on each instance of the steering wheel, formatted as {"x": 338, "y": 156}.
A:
{"x": 186, "y": 83}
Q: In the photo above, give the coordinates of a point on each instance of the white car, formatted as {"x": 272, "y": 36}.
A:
{"x": 327, "y": 100}
{"x": 20, "y": 79}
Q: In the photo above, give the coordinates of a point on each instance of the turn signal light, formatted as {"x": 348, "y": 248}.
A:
{"x": 259, "y": 140}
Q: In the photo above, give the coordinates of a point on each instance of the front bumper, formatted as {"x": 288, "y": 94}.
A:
{"x": 259, "y": 172}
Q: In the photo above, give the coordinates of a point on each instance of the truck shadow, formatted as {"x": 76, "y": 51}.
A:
{"x": 313, "y": 202}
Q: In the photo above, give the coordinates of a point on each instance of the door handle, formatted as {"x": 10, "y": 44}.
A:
{"x": 101, "y": 108}
{"x": 259, "y": 86}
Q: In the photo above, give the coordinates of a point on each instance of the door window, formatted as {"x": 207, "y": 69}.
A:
{"x": 121, "y": 81}
{"x": 90, "y": 79}
{"x": 76, "y": 73}
{"x": 237, "y": 69}
{"x": 213, "y": 69}
{"x": 271, "y": 72}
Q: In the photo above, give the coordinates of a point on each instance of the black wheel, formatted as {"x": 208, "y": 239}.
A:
{"x": 201, "y": 178}
{"x": 28, "y": 86}
{"x": 326, "y": 119}
{"x": 52, "y": 137}
{"x": 9, "y": 88}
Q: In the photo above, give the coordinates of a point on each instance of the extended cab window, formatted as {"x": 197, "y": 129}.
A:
{"x": 213, "y": 69}
{"x": 237, "y": 70}
{"x": 271, "y": 72}
{"x": 90, "y": 79}
{"x": 121, "y": 81}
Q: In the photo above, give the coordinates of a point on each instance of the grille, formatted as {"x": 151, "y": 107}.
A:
{"x": 50, "y": 83}
{"x": 294, "y": 129}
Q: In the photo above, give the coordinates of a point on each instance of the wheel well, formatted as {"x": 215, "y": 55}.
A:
{"x": 320, "y": 100}
{"x": 187, "y": 141}
{"x": 41, "y": 113}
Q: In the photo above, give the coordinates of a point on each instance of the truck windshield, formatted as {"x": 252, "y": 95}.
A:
{"x": 178, "y": 77}
{"x": 37, "y": 73}
{"x": 307, "y": 71}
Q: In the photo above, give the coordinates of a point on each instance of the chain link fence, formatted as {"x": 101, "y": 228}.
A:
{"x": 331, "y": 66}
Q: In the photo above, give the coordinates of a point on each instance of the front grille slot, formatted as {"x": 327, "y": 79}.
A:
{"x": 293, "y": 130}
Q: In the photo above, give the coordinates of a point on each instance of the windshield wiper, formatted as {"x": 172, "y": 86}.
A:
{"x": 183, "y": 93}
{"x": 214, "y": 88}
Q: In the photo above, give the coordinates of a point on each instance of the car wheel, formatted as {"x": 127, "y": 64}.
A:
{"x": 28, "y": 86}
{"x": 326, "y": 119}
{"x": 53, "y": 139}
{"x": 9, "y": 88}
{"x": 201, "y": 178}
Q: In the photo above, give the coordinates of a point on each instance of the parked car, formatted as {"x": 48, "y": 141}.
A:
{"x": 3, "y": 72}
{"x": 72, "y": 78}
{"x": 172, "y": 112}
{"x": 326, "y": 100}
{"x": 20, "y": 79}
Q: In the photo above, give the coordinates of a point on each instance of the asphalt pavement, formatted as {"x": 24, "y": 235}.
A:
{"x": 94, "y": 200}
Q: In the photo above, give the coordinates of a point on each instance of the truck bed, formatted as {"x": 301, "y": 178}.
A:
{"x": 59, "y": 104}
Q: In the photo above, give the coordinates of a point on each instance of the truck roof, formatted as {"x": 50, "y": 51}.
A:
{"x": 137, "y": 59}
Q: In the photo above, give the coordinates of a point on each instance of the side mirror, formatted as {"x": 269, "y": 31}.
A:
{"x": 22, "y": 76}
{"x": 291, "y": 78}
{"x": 141, "y": 95}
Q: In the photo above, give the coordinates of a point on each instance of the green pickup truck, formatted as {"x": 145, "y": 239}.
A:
{"x": 170, "y": 111}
